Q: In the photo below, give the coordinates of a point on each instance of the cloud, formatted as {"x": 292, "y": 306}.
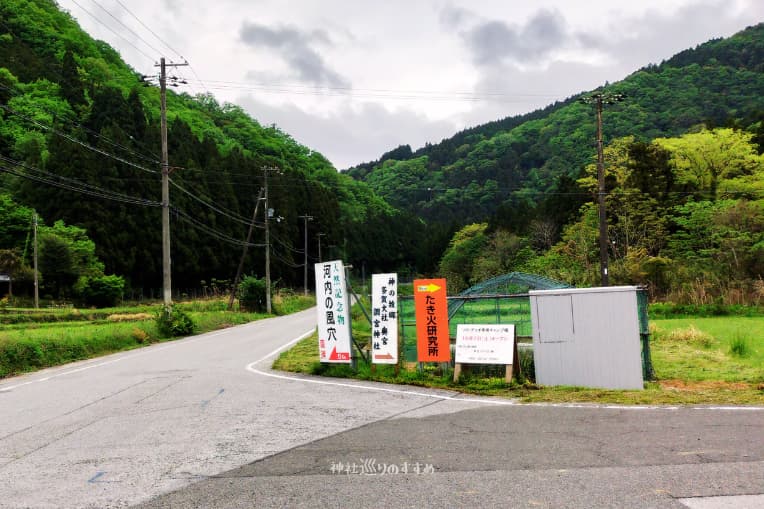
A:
{"x": 296, "y": 48}
{"x": 491, "y": 42}
{"x": 453, "y": 17}
{"x": 351, "y": 134}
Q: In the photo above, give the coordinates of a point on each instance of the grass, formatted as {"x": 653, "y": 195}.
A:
{"x": 32, "y": 345}
{"x": 720, "y": 349}
{"x": 698, "y": 361}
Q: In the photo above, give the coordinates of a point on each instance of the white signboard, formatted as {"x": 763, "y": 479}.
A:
{"x": 485, "y": 344}
{"x": 333, "y": 313}
{"x": 384, "y": 318}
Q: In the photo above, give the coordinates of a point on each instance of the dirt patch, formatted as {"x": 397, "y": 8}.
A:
{"x": 126, "y": 317}
{"x": 706, "y": 385}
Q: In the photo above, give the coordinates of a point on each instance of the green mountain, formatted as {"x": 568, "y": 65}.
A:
{"x": 520, "y": 168}
{"x": 79, "y": 142}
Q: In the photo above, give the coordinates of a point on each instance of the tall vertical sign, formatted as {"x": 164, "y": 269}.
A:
{"x": 384, "y": 318}
{"x": 431, "y": 306}
{"x": 333, "y": 313}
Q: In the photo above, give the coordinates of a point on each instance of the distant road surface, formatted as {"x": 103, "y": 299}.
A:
{"x": 203, "y": 422}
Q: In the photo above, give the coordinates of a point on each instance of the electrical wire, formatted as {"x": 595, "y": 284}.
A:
{"x": 382, "y": 94}
{"x": 220, "y": 210}
{"x": 149, "y": 29}
{"x": 45, "y": 177}
{"x": 287, "y": 246}
{"x": 75, "y": 140}
{"x": 126, "y": 27}
{"x": 186, "y": 218}
{"x": 113, "y": 31}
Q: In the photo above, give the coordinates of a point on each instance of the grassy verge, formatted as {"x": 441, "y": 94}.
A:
{"x": 698, "y": 361}
{"x": 28, "y": 346}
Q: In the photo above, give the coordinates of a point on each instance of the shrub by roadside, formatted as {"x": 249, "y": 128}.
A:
{"x": 30, "y": 346}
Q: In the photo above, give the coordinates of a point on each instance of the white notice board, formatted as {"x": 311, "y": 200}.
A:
{"x": 485, "y": 344}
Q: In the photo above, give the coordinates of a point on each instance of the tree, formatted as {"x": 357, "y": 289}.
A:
{"x": 56, "y": 263}
{"x": 458, "y": 260}
{"x": 10, "y": 264}
{"x": 72, "y": 88}
{"x": 702, "y": 159}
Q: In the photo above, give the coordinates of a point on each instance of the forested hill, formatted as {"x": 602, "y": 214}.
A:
{"x": 79, "y": 142}
{"x": 526, "y": 165}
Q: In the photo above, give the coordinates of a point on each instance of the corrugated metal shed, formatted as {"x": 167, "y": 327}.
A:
{"x": 587, "y": 337}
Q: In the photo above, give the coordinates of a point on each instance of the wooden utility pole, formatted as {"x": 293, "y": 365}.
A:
{"x": 166, "y": 264}
{"x": 601, "y": 196}
{"x": 34, "y": 255}
{"x": 268, "y": 213}
{"x": 598, "y": 99}
{"x": 305, "y": 279}
{"x": 244, "y": 252}
{"x": 319, "y": 246}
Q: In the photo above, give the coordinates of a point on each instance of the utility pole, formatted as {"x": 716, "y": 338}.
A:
{"x": 307, "y": 218}
{"x": 166, "y": 265}
{"x": 319, "y": 246}
{"x": 36, "y": 281}
{"x": 268, "y": 214}
{"x": 598, "y": 99}
{"x": 244, "y": 252}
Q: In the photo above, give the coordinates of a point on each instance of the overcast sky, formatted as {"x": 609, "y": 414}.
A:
{"x": 354, "y": 78}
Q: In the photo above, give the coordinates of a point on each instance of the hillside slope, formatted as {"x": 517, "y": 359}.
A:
{"x": 517, "y": 163}
{"x": 72, "y": 109}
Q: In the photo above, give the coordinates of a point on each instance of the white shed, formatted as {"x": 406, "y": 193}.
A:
{"x": 587, "y": 337}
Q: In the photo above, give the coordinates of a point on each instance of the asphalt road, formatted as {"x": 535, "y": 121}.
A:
{"x": 202, "y": 422}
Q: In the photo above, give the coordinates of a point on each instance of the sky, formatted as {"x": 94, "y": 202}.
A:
{"x": 353, "y": 79}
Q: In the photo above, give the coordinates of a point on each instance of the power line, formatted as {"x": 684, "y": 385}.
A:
{"x": 112, "y": 30}
{"x": 150, "y": 30}
{"x": 75, "y": 140}
{"x": 126, "y": 27}
{"x": 71, "y": 184}
{"x": 380, "y": 93}
{"x": 227, "y": 213}
{"x": 183, "y": 216}
{"x": 77, "y": 186}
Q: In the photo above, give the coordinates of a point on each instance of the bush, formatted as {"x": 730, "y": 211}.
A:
{"x": 173, "y": 322}
{"x": 739, "y": 346}
{"x": 252, "y": 293}
{"x": 101, "y": 291}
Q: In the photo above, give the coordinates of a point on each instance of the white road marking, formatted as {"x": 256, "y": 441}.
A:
{"x": 251, "y": 368}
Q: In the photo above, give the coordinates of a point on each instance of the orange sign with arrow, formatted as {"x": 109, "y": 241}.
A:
{"x": 431, "y": 306}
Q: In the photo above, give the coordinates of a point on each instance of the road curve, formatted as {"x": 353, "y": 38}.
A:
{"x": 121, "y": 429}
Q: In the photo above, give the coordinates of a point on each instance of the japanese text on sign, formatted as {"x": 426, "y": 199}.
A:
{"x": 485, "y": 344}
{"x": 384, "y": 318}
{"x": 431, "y": 306}
{"x": 333, "y": 322}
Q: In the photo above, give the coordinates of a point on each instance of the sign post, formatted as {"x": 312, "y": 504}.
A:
{"x": 431, "y": 308}
{"x": 333, "y": 313}
{"x": 384, "y": 319}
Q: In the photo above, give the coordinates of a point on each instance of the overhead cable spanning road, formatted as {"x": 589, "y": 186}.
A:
{"x": 204, "y": 422}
